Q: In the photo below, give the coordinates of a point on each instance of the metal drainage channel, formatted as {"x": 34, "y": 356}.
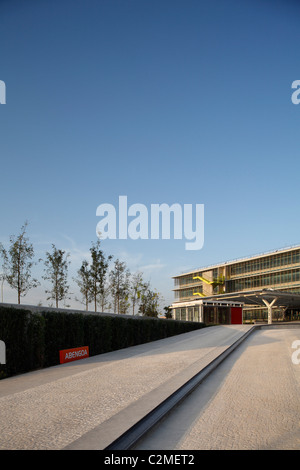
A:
{"x": 134, "y": 434}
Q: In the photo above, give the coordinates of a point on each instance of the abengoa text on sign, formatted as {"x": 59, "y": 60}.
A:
{"x": 68, "y": 355}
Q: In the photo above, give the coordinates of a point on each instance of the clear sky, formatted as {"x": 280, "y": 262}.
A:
{"x": 164, "y": 101}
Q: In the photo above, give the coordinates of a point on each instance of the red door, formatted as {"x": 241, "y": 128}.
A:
{"x": 236, "y": 315}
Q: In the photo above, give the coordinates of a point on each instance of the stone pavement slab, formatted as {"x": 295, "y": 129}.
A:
{"x": 250, "y": 402}
{"x": 86, "y": 404}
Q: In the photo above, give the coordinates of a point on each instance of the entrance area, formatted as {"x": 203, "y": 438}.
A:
{"x": 216, "y": 315}
{"x": 209, "y": 312}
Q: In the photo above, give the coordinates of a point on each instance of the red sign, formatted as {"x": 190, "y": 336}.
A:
{"x": 68, "y": 355}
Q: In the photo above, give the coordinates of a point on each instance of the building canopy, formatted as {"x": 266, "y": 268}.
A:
{"x": 269, "y": 298}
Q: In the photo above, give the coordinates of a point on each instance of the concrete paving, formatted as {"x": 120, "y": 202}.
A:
{"x": 87, "y": 404}
{"x": 250, "y": 402}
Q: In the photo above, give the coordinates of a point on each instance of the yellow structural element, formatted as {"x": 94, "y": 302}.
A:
{"x": 216, "y": 282}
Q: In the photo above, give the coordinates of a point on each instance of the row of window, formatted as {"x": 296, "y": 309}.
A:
{"x": 268, "y": 262}
{"x": 187, "y": 314}
{"x": 186, "y": 280}
{"x": 189, "y": 279}
{"x": 271, "y": 279}
{"x": 192, "y": 314}
{"x": 262, "y": 314}
{"x": 211, "y": 314}
{"x": 185, "y": 293}
{"x": 258, "y": 264}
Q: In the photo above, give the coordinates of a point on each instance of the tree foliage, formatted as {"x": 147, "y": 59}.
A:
{"x": 112, "y": 288}
{"x": 83, "y": 281}
{"x": 98, "y": 272}
{"x": 149, "y": 305}
{"x": 17, "y": 263}
{"x": 136, "y": 289}
{"x": 168, "y": 311}
{"x": 56, "y": 272}
{"x": 120, "y": 286}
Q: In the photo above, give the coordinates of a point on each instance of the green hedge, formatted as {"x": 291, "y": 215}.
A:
{"x": 33, "y": 340}
{"x": 23, "y": 335}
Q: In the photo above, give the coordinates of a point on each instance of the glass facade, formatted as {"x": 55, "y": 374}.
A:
{"x": 187, "y": 280}
{"x": 188, "y": 293}
{"x": 279, "y": 270}
{"x": 211, "y": 314}
{"x": 274, "y": 279}
{"x": 187, "y": 313}
{"x": 270, "y": 262}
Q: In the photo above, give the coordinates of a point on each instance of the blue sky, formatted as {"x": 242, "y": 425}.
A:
{"x": 163, "y": 101}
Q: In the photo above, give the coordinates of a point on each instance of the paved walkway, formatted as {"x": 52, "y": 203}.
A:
{"x": 88, "y": 403}
{"x": 251, "y": 401}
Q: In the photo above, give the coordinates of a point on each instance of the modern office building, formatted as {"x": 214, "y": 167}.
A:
{"x": 252, "y": 281}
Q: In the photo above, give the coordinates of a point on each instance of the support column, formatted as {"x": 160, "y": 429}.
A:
{"x": 215, "y": 315}
{"x": 201, "y": 315}
{"x": 269, "y": 306}
{"x": 283, "y": 310}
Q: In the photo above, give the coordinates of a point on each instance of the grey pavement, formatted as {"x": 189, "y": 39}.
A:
{"x": 250, "y": 402}
{"x": 88, "y": 403}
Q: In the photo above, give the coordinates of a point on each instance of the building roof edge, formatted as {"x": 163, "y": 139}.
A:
{"x": 238, "y": 260}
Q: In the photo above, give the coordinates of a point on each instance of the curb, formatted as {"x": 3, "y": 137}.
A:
{"x": 135, "y": 433}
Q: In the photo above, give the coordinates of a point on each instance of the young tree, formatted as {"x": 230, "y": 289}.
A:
{"x": 168, "y": 311}
{"x": 120, "y": 286}
{"x": 98, "y": 271}
{"x": 17, "y": 263}
{"x": 56, "y": 270}
{"x": 136, "y": 289}
{"x": 104, "y": 298}
{"x": 83, "y": 281}
{"x": 143, "y": 298}
{"x": 149, "y": 302}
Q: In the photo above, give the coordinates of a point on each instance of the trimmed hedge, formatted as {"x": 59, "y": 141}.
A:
{"x": 33, "y": 340}
{"x": 23, "y": 335}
